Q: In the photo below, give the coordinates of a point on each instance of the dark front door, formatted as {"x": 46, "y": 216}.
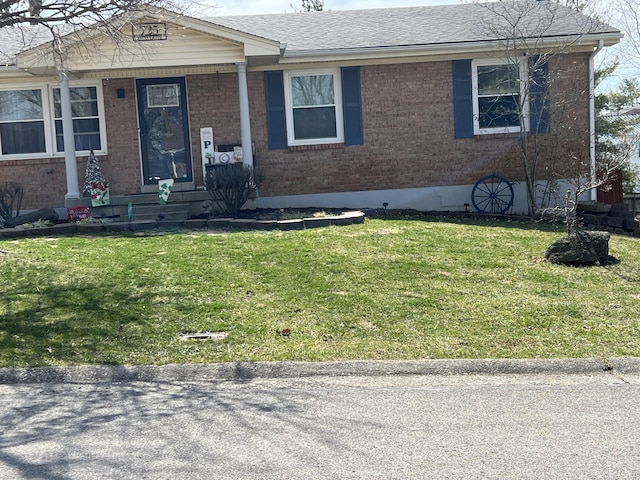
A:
{"x": 164, "y": 130}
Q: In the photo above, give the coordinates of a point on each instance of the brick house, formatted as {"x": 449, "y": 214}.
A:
{"x": 336, "y": 109}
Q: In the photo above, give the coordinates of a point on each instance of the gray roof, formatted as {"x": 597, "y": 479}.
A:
{"x": 17, "y": 38}
{"x": 414, "y": 26}
{"x": 378, "y": 28}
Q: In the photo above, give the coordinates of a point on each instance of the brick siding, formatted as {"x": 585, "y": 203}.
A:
{"x": 409, "y": 140}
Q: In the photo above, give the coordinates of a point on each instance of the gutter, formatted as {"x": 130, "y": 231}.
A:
{"x": 606, "y": 39}
{"x": 592, "y": 118}
{"x": 12, "y": 71}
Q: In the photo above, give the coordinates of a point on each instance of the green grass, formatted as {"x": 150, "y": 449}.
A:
{"x": 386, "y": 289}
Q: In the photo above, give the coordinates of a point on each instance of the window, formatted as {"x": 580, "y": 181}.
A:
{"x": 86, "y": 118}
{"x": 22, "y": 124}
{"x": 313, "y": 107}
{"x": 31, "y": 121}
{"x": 498, "y": 104}
{"x": 161, "y": 96}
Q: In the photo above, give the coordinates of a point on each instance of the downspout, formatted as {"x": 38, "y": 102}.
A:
{"x": 592, "y": 117}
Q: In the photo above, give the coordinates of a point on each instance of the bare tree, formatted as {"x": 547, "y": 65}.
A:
{"x": 546, "y": 126}
{"x": 79, "y": 13}
{"x": 629, "y": 20}
{"x": 72, "y": 24}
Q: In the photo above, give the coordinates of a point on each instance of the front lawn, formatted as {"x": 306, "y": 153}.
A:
{"x": 385, "y": 289}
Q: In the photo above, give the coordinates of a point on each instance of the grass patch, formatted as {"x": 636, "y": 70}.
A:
{"x": 386, "y": 289}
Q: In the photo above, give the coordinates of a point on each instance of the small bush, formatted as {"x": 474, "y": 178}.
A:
{"x": 230, "y": 186}
{"x": 11, "y": 194}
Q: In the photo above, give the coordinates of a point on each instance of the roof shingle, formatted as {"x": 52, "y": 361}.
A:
{"x": 379, "y": 28}
{"x": 429, "y": 25}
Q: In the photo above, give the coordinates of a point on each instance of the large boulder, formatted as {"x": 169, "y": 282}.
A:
{"x": 580, "y": 248}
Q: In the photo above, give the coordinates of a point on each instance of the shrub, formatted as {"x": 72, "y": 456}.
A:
{"x": 230, "y": 186}
{"x": 10, "y": 200}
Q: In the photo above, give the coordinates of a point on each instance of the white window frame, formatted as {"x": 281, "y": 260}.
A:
{"x": 101, "y": 120}
{"x": 48, "y": 111}
{"x": 523, "y": 96}
{"x": 288, "y": 96}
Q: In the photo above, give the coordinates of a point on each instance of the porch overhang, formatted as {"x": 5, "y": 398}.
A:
{"x": 187, "y": 42}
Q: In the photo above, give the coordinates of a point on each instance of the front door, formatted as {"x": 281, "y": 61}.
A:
{"x": 164, "y": 130}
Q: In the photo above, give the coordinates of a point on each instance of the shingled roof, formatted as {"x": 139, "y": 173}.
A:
{"x": 416, "y": 26}
{"x": 308, "y": 33}
{"x": 18, "y": 38}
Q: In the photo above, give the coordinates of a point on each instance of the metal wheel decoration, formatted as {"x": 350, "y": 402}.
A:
{"x": 492, "y": 194}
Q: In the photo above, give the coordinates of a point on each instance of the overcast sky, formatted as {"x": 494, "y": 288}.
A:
{"x": 250, "y": 7}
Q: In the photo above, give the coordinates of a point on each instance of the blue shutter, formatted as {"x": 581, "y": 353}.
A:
{"x": 539, "y": 95}
{"x": 352, "y": 106}
{"x": 276, "y": 118}
{"x": 462, "y": 99}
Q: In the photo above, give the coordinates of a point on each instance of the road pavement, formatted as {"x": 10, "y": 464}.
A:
{"x": 564, "y": 419}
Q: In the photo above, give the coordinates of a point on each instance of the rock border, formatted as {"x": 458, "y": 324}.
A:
{"x": 346, "y": 218}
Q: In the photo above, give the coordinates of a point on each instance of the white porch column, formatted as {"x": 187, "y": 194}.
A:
{"x": 71, "y": 167}
{"x": 245, "y": 118}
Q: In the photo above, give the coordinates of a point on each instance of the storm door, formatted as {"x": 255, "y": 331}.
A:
{"x": 164, "y": 130}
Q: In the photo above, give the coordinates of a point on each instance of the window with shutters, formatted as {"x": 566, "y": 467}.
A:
{"x": 313, "y": 103}
{"x": 499, "y": 98}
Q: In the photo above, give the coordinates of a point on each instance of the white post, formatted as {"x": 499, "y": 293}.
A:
{"x": 245, "y": 119}
{"x": 70, "y": 164}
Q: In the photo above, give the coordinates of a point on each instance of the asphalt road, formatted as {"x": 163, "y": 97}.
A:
{"x": 520, "y": 420}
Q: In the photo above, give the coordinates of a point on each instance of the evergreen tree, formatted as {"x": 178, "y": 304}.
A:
{"x": 93, "y": 175}
{"x": 612, "y": 128}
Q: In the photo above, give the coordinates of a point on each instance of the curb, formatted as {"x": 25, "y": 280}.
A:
{"x": 250, "y": 370}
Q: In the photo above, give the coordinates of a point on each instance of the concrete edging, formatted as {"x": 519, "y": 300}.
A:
{"x": 346, "y": 218}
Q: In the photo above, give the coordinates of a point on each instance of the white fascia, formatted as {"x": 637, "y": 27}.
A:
{"x": 466, "y": 49}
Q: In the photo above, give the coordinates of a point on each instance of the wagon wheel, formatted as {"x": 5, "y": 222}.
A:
{"x": 492, "y": 194}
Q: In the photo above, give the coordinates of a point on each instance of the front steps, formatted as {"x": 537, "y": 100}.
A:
{"x": 146, "y": 206}
{"x": 172, "y": 211}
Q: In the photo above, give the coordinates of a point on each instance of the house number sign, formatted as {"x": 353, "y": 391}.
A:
{"x": 144, "y": 32}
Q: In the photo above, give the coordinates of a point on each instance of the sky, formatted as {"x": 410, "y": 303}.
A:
{"x": 251, "y": 7}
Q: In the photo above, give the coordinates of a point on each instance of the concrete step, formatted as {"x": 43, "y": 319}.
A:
{"x": 152, "y": 198}
{"x": 157, "y": 208}
{"x": 178, "y": 211}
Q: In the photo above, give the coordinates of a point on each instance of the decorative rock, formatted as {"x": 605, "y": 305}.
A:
{"x": 580, "y": 249}
{"x": 615, "y": 222}
{"x": 43, "y": 214}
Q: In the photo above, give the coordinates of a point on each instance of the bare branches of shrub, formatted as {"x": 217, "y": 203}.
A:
{"x": 230, "y": 186}
{"x": 11, "y": 194}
